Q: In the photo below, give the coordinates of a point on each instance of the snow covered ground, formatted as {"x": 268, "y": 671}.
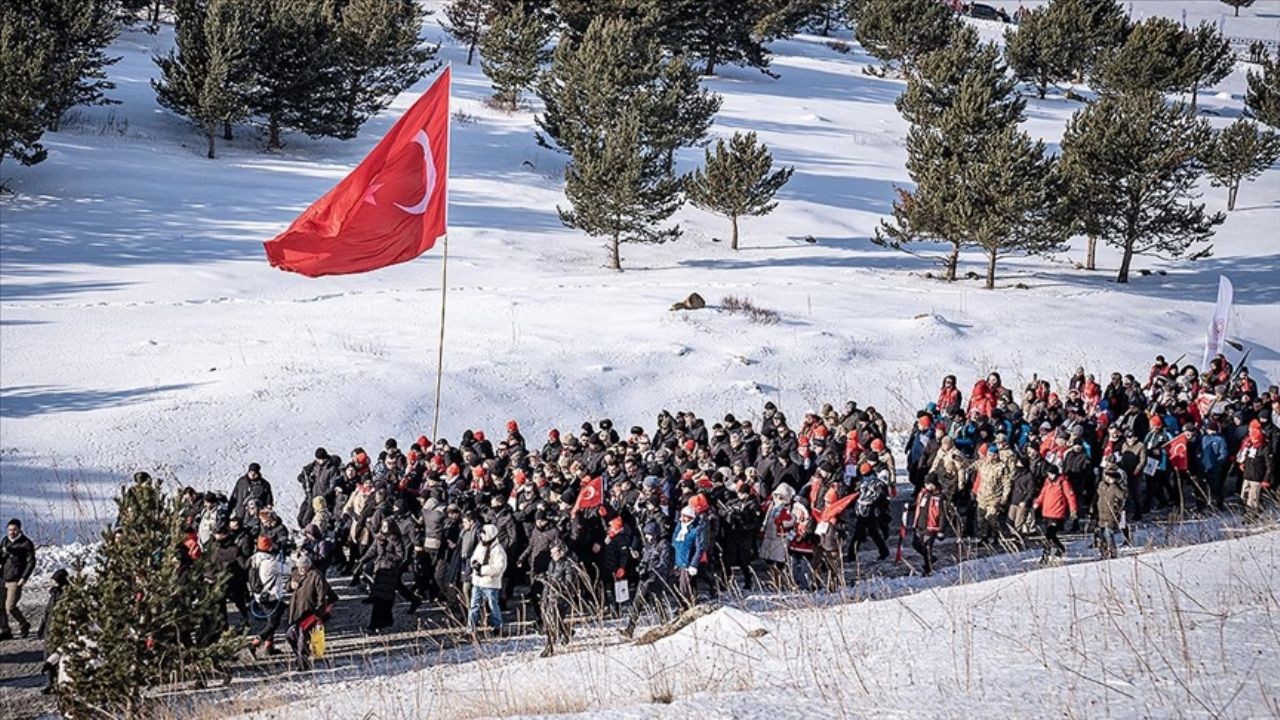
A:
{"x": 141, "y": 327}
{"x": 1182, "y": 632}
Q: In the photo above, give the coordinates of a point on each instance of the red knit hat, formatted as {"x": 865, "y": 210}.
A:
{"x": 512, "y": 426}
{"x": 478, "y": 435}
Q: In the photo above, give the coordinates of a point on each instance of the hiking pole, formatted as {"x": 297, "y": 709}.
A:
{"x": 902, "y": 534}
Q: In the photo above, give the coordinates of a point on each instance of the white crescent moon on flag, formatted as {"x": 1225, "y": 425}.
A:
{"x": 427, "y": 158}
{"x": 589, "y": 492}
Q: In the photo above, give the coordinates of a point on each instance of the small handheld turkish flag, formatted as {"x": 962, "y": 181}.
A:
{"x": 390, "y": 209}
{"x": 590, "y": 495}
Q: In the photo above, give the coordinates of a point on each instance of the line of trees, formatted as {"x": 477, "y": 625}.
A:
{"x": 1130, "y": 161}
{"x": 320, "y": 67}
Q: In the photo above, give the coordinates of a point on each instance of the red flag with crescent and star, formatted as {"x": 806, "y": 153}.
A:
{"x": 590, "y": 495}
{"x": 390, "y": 209}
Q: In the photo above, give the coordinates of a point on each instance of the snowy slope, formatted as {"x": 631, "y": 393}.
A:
{"x": 141, "y": 328}
{"x": 1187, "y": 632}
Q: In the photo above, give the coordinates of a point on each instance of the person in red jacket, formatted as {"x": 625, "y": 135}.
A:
{"x": 927, "y": 524}
{"x": 1057, "y": 505}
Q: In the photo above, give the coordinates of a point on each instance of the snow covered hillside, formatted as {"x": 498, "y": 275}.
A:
{"x": 1185, "y": 632}
{"x": 142, "y": 328}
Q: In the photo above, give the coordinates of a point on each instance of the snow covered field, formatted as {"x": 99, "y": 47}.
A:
{"x": 1183, "y": 632}
{"x": 141, "y": 327}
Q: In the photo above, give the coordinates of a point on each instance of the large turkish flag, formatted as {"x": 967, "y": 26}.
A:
{"x": 390, "y": 209}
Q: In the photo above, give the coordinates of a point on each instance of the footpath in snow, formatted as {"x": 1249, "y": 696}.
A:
{"x": 1182, "y": 632}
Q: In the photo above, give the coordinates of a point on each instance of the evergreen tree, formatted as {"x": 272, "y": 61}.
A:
{"x": 206, "y": 77}
{"x": 513, "y": 52}
{"x": 618, "y": 66}
{"x": 1154, "y": 57}
{"x": 964, "y": 111}
{"x": 576, "y": 16}
{"x": 1090, "y": 30}
{"x": 79, "y": 32}
{"x": 294, "y": 67}
{"x": 26, "y": 71}
{"x": 1039, "y": 50}
{"x": 718, "y": 32}
{"x": 619, "y": 187}
{"x": 1262, "y": 98}
{"x": 1237, "y": 4}
{"x": 377, "y": 55}
{"x": 1009, "y": 200}
{"x": 737, "y": 180}
{"x": 902, "y": 31}
{"x": 1241, "y": 151}
{"x": 1210, "y": 59}
{"x": 966, "y": 70}
{"x": 466, "y": 21}
{"x": 1132, "y": 163}
{"x": 145, "y": 614}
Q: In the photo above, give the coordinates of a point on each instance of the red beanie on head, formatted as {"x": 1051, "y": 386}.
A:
{"x": 478, "y": 435}
{"x": 512, "y": 426}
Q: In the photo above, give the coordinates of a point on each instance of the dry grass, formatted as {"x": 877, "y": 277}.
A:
{"x": 735, "y": 305}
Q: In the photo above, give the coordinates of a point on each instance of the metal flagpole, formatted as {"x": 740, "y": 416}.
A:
{"x": 444, "y": 263}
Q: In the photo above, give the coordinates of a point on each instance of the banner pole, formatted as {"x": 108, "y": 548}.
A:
{"x": 444, "y": 263}
{"x": 444, "y": 292}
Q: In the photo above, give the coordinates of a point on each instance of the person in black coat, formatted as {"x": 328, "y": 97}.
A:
{"x": 17, "y": 563}
{"x": 229, "y": 557}
{"x": 251, "y": 486}
{"x": 386, "y": 556}
{"x": 742, "y": 518}
{"x": 562, "y": 580}
{"x": 656, "y": 572}
{"x": 318, "y": 478}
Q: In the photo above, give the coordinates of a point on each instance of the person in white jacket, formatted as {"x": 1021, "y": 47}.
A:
{"x": 268, "y": 578}
{"x": 488, "y": 563}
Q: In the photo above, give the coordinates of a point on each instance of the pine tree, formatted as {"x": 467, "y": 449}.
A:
{"x": 1090, "y": 30}
{"x": 963, "y": 108}
{"x": 1010, "y": 195}
{"x": 718, "y": 32}
{"x": 26, "y": 72}
{"x": 1153, "y": 57}
{"x": 377, "y": 55}
{"x": 737, "y": 180}
{"x": 294, "y": 67}
{"x": 1262, "y": 98}
{"x": 1237, "y": 4}
{"x": 80, "y": 31}
{"x": 615, "y": 67}
{"x": 145, "y": 614}
{"x": 1132, "y": 163}
{"x": 1241, "y": 151}
{"x": 619, "y": 187}
{"x": 1039, "y": 50}
{"x": 513, "y": 52}
{"x": 902, "y": 31}
{"x": 1210, "y": 60}
{"x": 466, "y": 21}
{"x": 206, "y": 77}
{"x": 966, "y": 70}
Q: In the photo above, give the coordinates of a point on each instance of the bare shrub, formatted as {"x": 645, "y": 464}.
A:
{"x": 735, "y": 305}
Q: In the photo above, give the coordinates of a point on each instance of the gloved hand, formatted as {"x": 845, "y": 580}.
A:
{"x": 693, "y": 571}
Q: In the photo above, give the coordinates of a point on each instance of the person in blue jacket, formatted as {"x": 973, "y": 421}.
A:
{"x": 689, "y": 545}
{"x": 1214, "y": 459}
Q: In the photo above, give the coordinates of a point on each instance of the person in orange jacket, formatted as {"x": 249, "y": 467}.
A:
{"x": 1057, "y": 505}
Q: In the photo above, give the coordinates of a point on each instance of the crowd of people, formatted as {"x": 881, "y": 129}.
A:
{"x": 638, "y": 521}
